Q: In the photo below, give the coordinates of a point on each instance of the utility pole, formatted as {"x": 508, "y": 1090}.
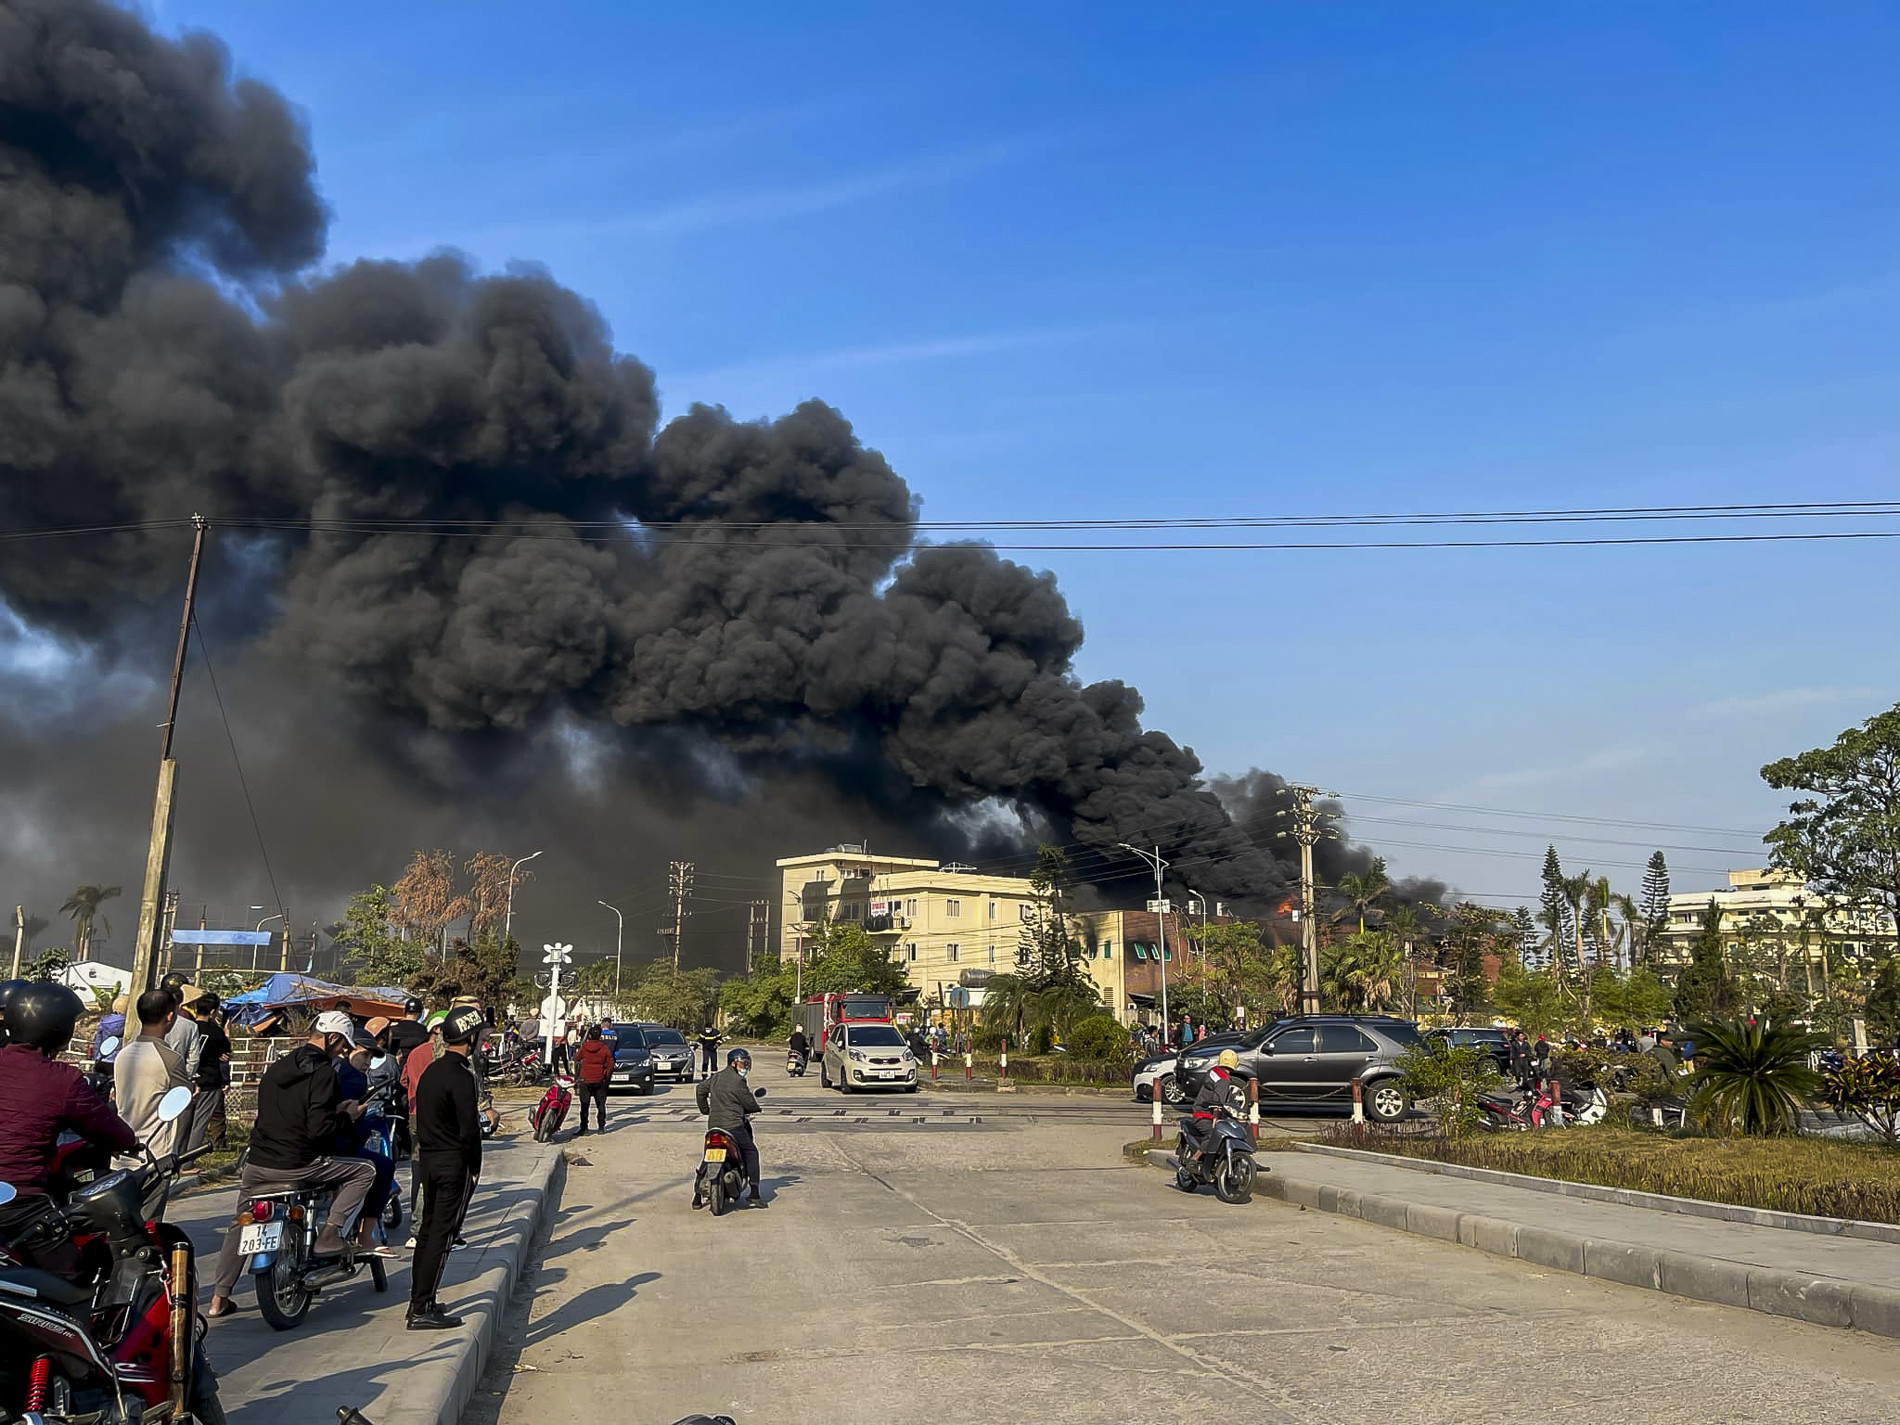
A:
{"x": 19, "y": 939}
{"x": 158, "y": 853}
{"x": 1159, "y": 906}
{"x": 679, "y": 881}
{"x": 757, "y": 914}
{"x": 1306, "y": 831}
{"x": 620, "y": 928}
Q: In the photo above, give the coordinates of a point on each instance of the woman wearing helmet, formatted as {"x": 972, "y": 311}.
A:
{"x": 44, "y": 1097}
{"x": 1219, "y": 1090}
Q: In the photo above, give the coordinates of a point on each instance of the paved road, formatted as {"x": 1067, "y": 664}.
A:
{"x": 1011, "y": 1268}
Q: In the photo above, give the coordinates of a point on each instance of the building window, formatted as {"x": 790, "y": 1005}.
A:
{"x": 953, "y": 908}
{"x": 851, "y": 911}
{"x": 992, "y": 954}
{"x": 910, "y": 951}
{"x": 1022, "y": 914}
{"x": 953, "y": 951}
{"x": 992, "y": 906}
{"x": 910, "y": 907}
{"x": 1108, "y": 950}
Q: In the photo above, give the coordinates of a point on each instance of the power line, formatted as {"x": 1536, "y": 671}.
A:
{"x": 204, "y": 651}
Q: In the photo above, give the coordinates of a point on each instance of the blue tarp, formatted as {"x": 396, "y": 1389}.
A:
{"x": 283, "y": 990}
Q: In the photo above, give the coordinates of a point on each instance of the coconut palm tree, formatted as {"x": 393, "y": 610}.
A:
{"x": 1364, "y": 973}
{"x": 1363, "y": 890}
{"x": 83, "y": 906}
{"x": 1577, "y": 891}
{"x": 1753, "y": 1076}
{"x": 1629, "y": 929}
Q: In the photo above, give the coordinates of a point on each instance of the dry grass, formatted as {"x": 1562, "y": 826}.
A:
{"x": 1811, "y": 1175}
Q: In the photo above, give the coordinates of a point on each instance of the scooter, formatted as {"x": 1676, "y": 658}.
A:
{"x": 548, "y": 1115}
{"x": 279, "y": 1230}
{"x": 795, "y": 1063}
{"x": 721, "y": 1177}
{"x": 1225, "y": 1159}
{"x": 123, "y": 1345}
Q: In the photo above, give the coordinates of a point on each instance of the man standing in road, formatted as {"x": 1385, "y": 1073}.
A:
{"x": 146, "y": 1070}
{"x": 183, "y": 1035}
{"x": 709, "y": 1051}
{"x": 448, "y": 1124}
{"x": 594, "y": 1068}
{"x": 300, "y": 1111}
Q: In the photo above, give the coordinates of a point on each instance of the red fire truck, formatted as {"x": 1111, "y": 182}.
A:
{"x": 817, "y": 1015}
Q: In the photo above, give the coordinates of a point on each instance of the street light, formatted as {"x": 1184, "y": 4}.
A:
{"x": 268, "y": 919}
{"x": 508, "y": 925}
{"x": 620, "y": 925}
{"x": 1153, "y": 858}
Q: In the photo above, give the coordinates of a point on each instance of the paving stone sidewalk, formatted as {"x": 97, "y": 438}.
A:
{"x": 352, "y": 1348}
{"x": 1832, "y": 1281}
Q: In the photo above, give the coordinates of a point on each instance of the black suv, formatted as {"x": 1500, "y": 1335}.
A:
{"x": 1492, "y": 1040}
{"x": 1310, "y": 1060}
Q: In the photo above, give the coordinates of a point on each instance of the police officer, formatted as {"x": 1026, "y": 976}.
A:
{"x": 448, "y": 1128}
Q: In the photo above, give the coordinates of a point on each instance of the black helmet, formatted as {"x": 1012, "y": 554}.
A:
{"x": 738, "y": 1056}
{"x": 461, "y": 1024}
{"x": 412, "y": 1007}
{"x": 43, "y": 1016}
{"x": 8, "y": 991}
{"x": 173, "y": 983}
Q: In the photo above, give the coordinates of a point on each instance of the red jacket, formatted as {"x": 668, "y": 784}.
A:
{"x": 42, "y": 1096}
{"x": 594, "y": 1062}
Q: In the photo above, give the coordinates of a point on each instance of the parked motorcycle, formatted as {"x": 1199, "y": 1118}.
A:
{"x": 123, "y": 1345}
{"x": 1517, "y": 1111}
{"x": 1225, "y": 1159}
{"x": 548, "y": 1115}
{"x": 721, "y": 1178}
{"x": 279, "y": 1230}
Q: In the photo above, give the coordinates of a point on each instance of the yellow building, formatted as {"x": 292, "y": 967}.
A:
{"x": 1775, "y": 914}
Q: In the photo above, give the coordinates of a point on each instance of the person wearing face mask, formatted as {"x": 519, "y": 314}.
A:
{"x": 729, "y": 1103}
{"x": 301, "y": 1112}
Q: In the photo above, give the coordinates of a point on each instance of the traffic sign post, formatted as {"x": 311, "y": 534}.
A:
{"x": 554, "y": 1008}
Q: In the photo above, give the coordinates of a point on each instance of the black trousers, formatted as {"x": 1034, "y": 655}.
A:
{"x": 597, "y": 1095}
{"x": 445, "y": 1184}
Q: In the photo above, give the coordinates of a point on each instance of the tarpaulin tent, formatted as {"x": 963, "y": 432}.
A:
{"x": 311, "y": 996}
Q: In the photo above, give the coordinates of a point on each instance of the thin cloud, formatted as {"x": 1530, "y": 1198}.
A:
{"x": 1778, "y": 701}
{"x": 896, "y": 353}
{"x": 1607, "y": 759}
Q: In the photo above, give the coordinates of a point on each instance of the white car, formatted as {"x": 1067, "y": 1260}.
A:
{"x": 867, "y": 1056}
{"x": 1153, "y": 1074}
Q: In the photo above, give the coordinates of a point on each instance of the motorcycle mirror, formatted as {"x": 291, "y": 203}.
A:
{"x": 758, "y": 1093}
{"x": 7, "y": 1194}
{"x": 174, "y": 1104}
{"x": 108, "y": 1047}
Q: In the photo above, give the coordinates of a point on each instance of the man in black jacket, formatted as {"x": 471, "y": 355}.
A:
{"x": 448, "y": 1127}
{"x": 299, "y": 1112}
{"x": 729, "y": 1105}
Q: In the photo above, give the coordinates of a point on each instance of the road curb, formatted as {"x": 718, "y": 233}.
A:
{"x": 436, "y": 1391}
{"x": 1799, "y": 1296}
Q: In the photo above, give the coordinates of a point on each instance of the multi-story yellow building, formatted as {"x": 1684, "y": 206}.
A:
{"x": 1776, "y": 912}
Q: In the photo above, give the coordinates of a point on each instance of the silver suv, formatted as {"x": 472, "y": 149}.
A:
{"x": 867, "y": 1056}
{"x": 1310, "y": 1061}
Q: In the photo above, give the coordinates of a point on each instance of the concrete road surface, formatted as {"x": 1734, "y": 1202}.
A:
{"x": 993, "y": 1260}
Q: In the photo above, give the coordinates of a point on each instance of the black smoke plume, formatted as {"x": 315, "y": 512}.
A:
{"x": 441, "y": 499}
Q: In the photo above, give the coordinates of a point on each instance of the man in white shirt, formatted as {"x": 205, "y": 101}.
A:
{"x": 147, "y": 1069}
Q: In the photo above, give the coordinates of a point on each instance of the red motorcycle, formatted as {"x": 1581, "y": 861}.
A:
{"x": 122, "y": 1345}
{"x": 548, "y": 1115}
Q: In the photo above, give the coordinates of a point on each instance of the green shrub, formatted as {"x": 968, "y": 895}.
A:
{"x": 1098, "y": 1038}
{"x": 1447, "y": 1081}
{"x": 1752, "y": 1077}
{"x": 1868, "y": 1088}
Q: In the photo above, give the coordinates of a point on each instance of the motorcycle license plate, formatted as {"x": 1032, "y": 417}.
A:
{"x": 715, "y": 1155}
{"x": 261, "y": 1237}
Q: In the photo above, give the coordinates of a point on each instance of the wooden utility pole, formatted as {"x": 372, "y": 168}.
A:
{"x": 158, "y": 854}
{"x": 680, "y": 882}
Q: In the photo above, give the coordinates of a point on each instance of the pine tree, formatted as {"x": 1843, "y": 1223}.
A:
{"x": 1705, "y": 989}
{"x": 1554, "y": 912}
{"x": 1655, "y": 910}
{"x": 1526, "y": 935}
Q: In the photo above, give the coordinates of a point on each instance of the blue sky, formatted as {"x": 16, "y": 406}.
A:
{"x": 1117, "y": 260}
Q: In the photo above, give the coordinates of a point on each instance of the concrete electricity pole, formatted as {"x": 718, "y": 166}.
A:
{"x": 158, "y": 853}
{"x": 679, "y": 881}
{"x": 620, "y": 929}
{"x": 19, "y": 939}
{"x": 1159, "y": 906}
{"x": 759, "y": 916}
{"x": 1307, "y": 832}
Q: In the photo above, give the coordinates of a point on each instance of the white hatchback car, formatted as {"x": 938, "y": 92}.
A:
{"x": 867, "y": 1056}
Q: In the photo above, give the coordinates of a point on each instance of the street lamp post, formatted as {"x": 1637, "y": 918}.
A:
{"x": 620, "y": 926}
{"x": 508, "y": 924}
{"x": 1153, "y": 858}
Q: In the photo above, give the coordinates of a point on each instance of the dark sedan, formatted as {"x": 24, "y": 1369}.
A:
{"x": 633, "y": 1059}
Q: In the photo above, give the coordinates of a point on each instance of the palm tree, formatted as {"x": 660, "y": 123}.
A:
{"x": 1577, "y": 891}
{"x": 1363, "y": 890}
{"x": 1753, "y": 1076}
{"x": 83, "y": 906}
{"x": 1363, "y": 973}
{"x": 1630, "y": 930}
{"x": 1023, "y": 1010}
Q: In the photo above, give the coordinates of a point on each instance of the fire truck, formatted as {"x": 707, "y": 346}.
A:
{"x": 817, "y": 1015}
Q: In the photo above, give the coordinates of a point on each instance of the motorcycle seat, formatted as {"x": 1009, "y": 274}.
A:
{"x": 29, "y": 1281}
